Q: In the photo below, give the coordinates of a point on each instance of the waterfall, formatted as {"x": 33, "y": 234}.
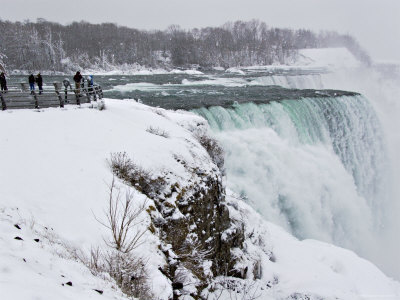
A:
{"x": 311, "y": 81}
{"x": 315, "y": 166}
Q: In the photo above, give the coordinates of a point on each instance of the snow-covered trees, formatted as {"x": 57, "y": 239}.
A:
{"x": 31, "y": 46}
{"x": 45, "y": 45}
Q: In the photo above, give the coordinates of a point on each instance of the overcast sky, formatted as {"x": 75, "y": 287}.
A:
{"x": 375, "y": 23}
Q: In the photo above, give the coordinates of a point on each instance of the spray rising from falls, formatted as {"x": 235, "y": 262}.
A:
{"x": 316, "y": 166}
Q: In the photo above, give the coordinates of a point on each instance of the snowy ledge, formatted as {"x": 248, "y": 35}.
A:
{"x": 55, "y": 178}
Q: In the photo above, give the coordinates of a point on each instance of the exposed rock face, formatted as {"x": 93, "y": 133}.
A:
{"x": 198, "y": 229}
{"x": 194, "y": 226}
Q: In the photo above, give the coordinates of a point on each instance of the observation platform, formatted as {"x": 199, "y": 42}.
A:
{"x": 17, "y": 97}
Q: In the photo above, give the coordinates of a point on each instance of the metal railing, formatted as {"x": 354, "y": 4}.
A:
{"x": 21, "y": 96}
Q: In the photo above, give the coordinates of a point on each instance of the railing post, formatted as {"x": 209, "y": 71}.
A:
{"x": 86, "y": 90}
{"x": 99, "y": 91}
{"x": 57, "y": 87}
{"x": 24, "y": 87}
{"x": 36, "y": 99}
{"x": 60, "y": 99}
{"x": 3, "y": 102}
{"x": 93, "y": 92}
{"x": 77, "y": 97}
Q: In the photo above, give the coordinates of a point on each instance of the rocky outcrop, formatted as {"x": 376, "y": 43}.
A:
{"x": 192, "y": 222}
{"x": 197, "y": 232}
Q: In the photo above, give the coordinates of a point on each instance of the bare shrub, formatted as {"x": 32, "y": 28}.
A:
{"x": 32, "y": 222}
{"x": 130, "y": 274}
{"x": 158, "y": 131}
{"x": 122, "y": 219}
{"x": 212, "y": 147}
{"x": 128, "y": 271}
{"x": 121, "y": 165}
{"x": 160, "y": 112}
{"x": 142, "y": 180}
{"x": 192, "y": 255}
{"x": 95, "y": 263}
{"x": 236, "y": 289}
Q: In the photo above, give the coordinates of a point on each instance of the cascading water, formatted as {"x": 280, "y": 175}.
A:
{"x": 313, "y": 81}
{"x": 315, "y": 166}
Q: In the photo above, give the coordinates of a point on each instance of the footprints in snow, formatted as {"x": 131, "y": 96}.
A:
{"x": 69, "y": 283}
{"x": 20, "y": 238}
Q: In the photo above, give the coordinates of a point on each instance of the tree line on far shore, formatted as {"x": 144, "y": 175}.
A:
{"x": 44, "y": 45}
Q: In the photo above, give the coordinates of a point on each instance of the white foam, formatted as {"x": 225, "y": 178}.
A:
{"x": 141, "y": 86}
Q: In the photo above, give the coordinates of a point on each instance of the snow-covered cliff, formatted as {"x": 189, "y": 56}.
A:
{"x": 199, "y": 241}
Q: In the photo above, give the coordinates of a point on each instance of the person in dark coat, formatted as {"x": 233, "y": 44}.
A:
{"x": 39, "y": 81}
{"x": 3, "y": 82}
{"x": 77, "y": 78}
{"x": 32, "y": 83}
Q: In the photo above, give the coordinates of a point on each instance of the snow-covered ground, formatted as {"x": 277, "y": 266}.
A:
{"x": 54, "y": 184}
{"x": 55, "y": 171}
{"x": 40, "y": 266}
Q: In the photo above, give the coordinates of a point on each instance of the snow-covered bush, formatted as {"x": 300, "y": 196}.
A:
{"x": 101, "y": 105}
{"x": 130, "y": 274}
{"x": 235, "y": 289}
{"x": 127, "y": 270}
{"x": 142, "y": 180}
{"x": 157, "y": 131}
{"x": 213, "y": 148}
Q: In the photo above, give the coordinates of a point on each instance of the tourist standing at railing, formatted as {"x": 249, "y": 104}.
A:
{"x": 39, "y": 81}
{"x": 77, "y": 78}
{"x": 89, "y": 80}
{"x": 32, "y": 83}
{"x": 3, "y": 81}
